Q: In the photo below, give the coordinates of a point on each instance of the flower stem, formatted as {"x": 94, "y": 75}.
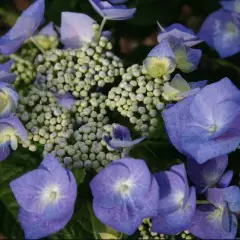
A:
{"x": 228, "y": 64}
{"x": 101, "y": 27}
{"x": 37, "y": 45}
{"x": 202, "y": 202}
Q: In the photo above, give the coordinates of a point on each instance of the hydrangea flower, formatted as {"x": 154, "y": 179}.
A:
{"x": 67, "y": 100}
{"x": 109, "y": 11}
{"x": 177, "y": 203}
{"x": 24, "y": 28}
{"x": 217, "y": 220}
{"x": 5, "y": 76}
{"x": 46, "y": 197}
{"x": 160, "y": 62}
{"x": 221, "y": 31}
{"x": 206, "y": 125}
{"x": 11, "y": 130}
{"x": 231, "y": 5}
{"x": 179, "y": 88}
{"x": 208, "y": 174}
{"x": 179, "y": 31}
{"x": 124, "y": 193}
{"x": 8, "y": 99}
{"x": 121, "y": 139}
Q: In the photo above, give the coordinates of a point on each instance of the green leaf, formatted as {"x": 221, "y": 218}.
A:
{"x": 159, "y": 155}
{"x": 79, "y": 175}
{"x": 9, "y": 226}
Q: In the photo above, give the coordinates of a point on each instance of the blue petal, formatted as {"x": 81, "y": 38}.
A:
{"x": 31, "y": 19}
{"x": 226, "y": 179}
{"x": 208, "y": 224}
{"x": 116, "y": 144}
{"x": 231, "y": 5}
{"x": 66, "y": 100}
{"x": 4, "y": 150}
{"x": 7, "y": 77}
{"x": 199, "y": 84}
{"x": 119, "y": 14}
{"x": 76, "y": 29}
{"x": 176, "y": 122}
{"x": 122, "y": 133}
{"x": 177, "y": 221}
{"x": 5, "y": 67}
{"x": 232, "y": 196}
{"x": 207, "y": 174}
{"x": 163, "y": 49}
{"x": 35, "y": 227}
{"x": 172, "y": 191}
{"x": 48, "y": 30}
{"x": 179, "y": 31}
{"x": 221, "y": 31}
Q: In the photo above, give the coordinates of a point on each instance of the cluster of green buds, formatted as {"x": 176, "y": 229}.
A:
{"x": 139, "y": 98}
{"x": 145, "y": 233}
{"x": 85, "y": 148}
{"x": 44, "y": 119}
{"x": 79, "y": 71}
{"x": 92, "y": 108}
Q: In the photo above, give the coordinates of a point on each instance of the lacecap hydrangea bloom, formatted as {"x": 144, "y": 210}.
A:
{"x": 210, "y": 173}
{"x": 177, "y": 202}
{"x": 46, "y": 197}
{"x": 217, "y": 220}
{"x": 25, "y": 27}
{"x": 206, "y": 125}
{"x": 124, "y": 193}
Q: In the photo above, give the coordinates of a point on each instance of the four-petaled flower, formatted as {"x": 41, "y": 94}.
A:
{"x": 110, "y": 11}
{"x": 177, "y": 203}
{"x": 124, "y": 193}
{"x": 217, "y": 220}
{"x": 46, "y": 197}
{"x": 206, "y": 125}
{"x": 11, "y": 130}
{"x": 25, "y": 27}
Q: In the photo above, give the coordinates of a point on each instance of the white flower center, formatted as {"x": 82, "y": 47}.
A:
{"x": 124, "y": 188}
{"x": 3, "y": 101}
{"x": 51, "y": 194}
{"x": 212, "y": 128}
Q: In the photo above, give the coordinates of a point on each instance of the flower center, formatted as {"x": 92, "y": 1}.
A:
{"x": 124, "y": 188}
{"x": 51, "y": 195}
{"x": 6, "y": 133}
{"x": 3, "y": 101}
{"x": 231, "y": 31}
{"x": 212, "y": 128}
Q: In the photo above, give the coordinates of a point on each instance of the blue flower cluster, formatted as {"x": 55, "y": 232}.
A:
{"x": 203, "y": 124}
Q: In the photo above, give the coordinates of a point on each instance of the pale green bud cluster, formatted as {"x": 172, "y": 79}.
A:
{"x": 85, "y": 148}
{"x": 44, "y": 119}
{"x": 145, "y": 232}
{"x": 90, "y": 109}
{"x": 138, "y": 97}
{"x": 81, "y": 70}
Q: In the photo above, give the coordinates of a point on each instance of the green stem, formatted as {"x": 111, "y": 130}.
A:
{"x": 228, "y": 64}
{"x": 18, "y": 58}
{"x": 202, "y": 202}
{"x": 101, "y": 27}
{"x": 37, "y": 45}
